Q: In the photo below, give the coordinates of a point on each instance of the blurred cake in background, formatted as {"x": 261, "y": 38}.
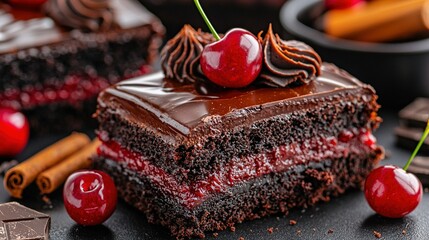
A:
{"x": 252, "y": 15}
{"x": 55, "y": 58}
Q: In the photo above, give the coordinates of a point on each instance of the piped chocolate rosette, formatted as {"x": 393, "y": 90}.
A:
{"x": 180, "y": 58}
{"x": 92, "y": 15}
{"x": 284, "y": 62}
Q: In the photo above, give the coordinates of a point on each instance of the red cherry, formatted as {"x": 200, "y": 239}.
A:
{"x": 27, "y": 3}
{"x": 341, "y": 4}
{"x": 234, "y": 61}
{"x": 90, "y": 197}
{"x": 14, "y": 132}
{"x": 392, "y": 192}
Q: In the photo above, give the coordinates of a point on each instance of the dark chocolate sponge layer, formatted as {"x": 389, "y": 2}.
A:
{"x": 328, "y": 117}
{"x": 109, "y": 56}
{"x": 301, "y": 186}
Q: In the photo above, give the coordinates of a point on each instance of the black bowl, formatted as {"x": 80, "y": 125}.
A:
{"x": 398, "y": 71}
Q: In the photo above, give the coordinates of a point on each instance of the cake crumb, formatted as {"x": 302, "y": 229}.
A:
{"x": 292, "y": 222}
{"x": 270, "y": 230}
{"x": 330, "y": 231}
{"x": 215, "y": 235}
{"x": 232, "y": 229}
{"x": 47, "y": 203}
{"x": 298, "y": 232}
{"x": 241, "y": 238}
{"x": 404, "y": 231}
{"x": 377, "y": 234}
{"x": 314, "y": 230}
{"x": 278, "y": 218}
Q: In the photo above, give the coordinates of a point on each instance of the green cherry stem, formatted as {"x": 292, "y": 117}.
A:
{"x": 425, "y": 135}
{"x": 203, "y": 14}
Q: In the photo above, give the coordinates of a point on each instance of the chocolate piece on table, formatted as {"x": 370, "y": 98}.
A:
{"x": 409, "y": 137}
{"x": 20, "y": 222}
{"x": 416, "y": 114}
{"x": 420, "y": 167}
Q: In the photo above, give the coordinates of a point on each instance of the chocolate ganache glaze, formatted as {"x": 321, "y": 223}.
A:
{"x": 180, "y": 110}
{"x": 93, "y": 15}
{"x": 180, "y": 58}
{"x": 286, "y": 62}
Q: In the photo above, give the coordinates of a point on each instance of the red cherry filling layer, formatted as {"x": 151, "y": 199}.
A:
{"x": 72, "y": 90}
{"x": 279, "y": 159}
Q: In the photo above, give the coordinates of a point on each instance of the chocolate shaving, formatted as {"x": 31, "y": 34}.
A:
{"x": 286, "y": 62}
{"x": 180, "y": 58}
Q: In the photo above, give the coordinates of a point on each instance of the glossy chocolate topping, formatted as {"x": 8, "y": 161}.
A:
{"x": 22, "y": 28}
{"x": 170, "y": 107}
{"x": 286, "y": 62}
{"x": 180, "y": 58}
{"x": 93, "y": 15}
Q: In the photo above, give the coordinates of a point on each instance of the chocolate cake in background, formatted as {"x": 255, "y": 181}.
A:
{"x": 54, "y": 62}
{"x": 252, "y": 15}
{"x": 195, "y": 157}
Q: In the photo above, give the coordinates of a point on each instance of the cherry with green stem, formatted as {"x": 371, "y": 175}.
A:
{"x": 391, "y": 191}
{"x": 233, "y": 61}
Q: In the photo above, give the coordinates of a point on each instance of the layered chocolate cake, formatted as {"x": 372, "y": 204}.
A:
{"x": 55, "y": 59}
{"x": 195, "y": 157}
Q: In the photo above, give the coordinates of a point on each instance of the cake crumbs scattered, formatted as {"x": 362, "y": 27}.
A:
{"x": 377, "y": 234}
{"x": 215, "y": 234}
{"x": 330, "y": 231}
{"x": 404, "y": 231}
{"x": 47, "y": 203}
{"x": 270, "y": 230}
{"x": 292, "y": 222}
{"x": 232, "y": 229}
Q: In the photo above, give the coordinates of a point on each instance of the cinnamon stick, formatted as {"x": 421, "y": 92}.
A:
{"x": 52, "y": 178}
{"x": 380, "y": 21}
{"x": 20, "y": 176}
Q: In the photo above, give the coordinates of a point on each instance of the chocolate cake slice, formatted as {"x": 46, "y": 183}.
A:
{"x": 197, "y": 157}
{"x": 55, "y": 60}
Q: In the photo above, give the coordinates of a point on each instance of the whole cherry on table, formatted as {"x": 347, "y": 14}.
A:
{"x": 14, "y": 132}
{"x": 234, "y": 61}
{"x": 90, "y": 197}
{"x": 392, "y": 192}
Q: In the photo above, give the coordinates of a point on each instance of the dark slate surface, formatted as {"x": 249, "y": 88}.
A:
{"x": 346, "y": 217}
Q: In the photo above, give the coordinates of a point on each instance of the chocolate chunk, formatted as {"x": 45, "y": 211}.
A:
{"x": 420, "y": 167}
{"x": 20, "y": 222}
{"x": 409, "y": 137}
{"x": 416, "y": 114}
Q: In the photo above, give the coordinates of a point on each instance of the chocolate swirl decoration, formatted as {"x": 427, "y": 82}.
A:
{"x": 93, "y": 15}
{"x": 180, "y": 58}
{"x": 286, "y": 62}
